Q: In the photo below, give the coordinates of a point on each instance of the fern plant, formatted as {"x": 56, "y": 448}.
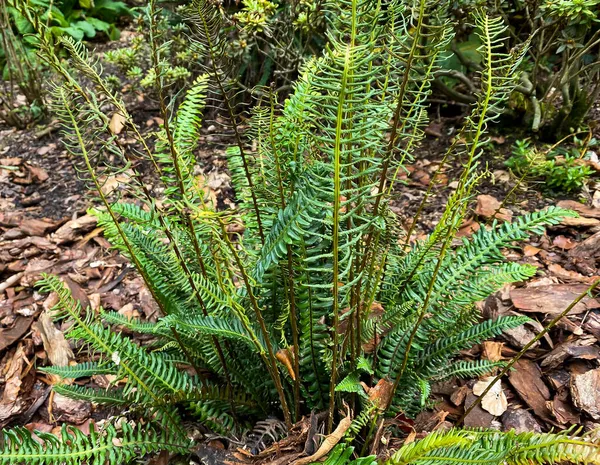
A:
{"x": 323, "y": 293}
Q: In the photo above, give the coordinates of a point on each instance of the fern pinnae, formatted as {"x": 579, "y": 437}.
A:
{"x": 68, "y": 306}
{"x": 81, "y": 370}
{"x": 96, "y": 448}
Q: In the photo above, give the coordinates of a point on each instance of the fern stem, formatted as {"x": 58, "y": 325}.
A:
{"x": 232, "y": 118}
{"x": 271, "y": 362}
{"x": 337, "y": 153}
{"x": 290, "y": 267}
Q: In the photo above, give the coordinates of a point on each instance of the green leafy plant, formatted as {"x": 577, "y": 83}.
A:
{"x": 19, "y": 78}
{"x": 79, "y": 19}
{"x": 561, "y": 170}
{"x": 322, "y": 293}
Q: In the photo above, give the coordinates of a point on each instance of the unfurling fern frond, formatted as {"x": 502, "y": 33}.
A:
{"x": 72, "y": 447}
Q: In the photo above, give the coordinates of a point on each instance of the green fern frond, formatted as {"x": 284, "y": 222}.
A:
{"x": 81, "y": 370}
{"x": 97, "y": 396}
{"x": 469, "y": 369}
{"x": 495, "y": 448}
{"x": 72, "y": 447}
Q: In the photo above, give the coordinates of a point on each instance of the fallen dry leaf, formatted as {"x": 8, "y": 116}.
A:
{"x": 56, "y": 346}
{"x": 117, "y": 123}
{"x": 564, "y": 242}
{"x": 494, "y": 401}
{"x": 489, "y": 207}
{"x": 530, "y": 251}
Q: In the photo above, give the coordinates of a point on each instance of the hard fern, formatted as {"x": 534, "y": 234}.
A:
{"x": 72, "y": 447}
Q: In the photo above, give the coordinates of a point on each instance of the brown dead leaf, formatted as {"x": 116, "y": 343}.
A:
{"x": 563, "y": 242}
{"x": 117, "y": 123}
{"x": 39, "y": 175}
{"x": 494, "y": 401}
{"x": 530, "y": 251}
{"x": 490, "y": 207}
{"x": 56, "y": 346}
{"x": 468, "y": 228}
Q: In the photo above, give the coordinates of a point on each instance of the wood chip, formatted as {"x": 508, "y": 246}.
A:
{"x": 585, "y": 389}
{"x": 583, "y": 210}
{"x": 588, "y": 248}
{"x": 562, "y": 409}
{"x": 526, "y": 379}
{"x": 521, "y": 421}
{"x": 581, "y": 222}
{"x": 567, "y": 275}
{"x": 9, "y": 336}
{"x": 552, "y": 299}
{"x": 477, "y": 418}
{"x": 74, "y": 229}
{"x": 582, "y": 348}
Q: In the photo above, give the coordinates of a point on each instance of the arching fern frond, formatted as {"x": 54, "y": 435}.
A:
{"x": 72, "y": 447}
